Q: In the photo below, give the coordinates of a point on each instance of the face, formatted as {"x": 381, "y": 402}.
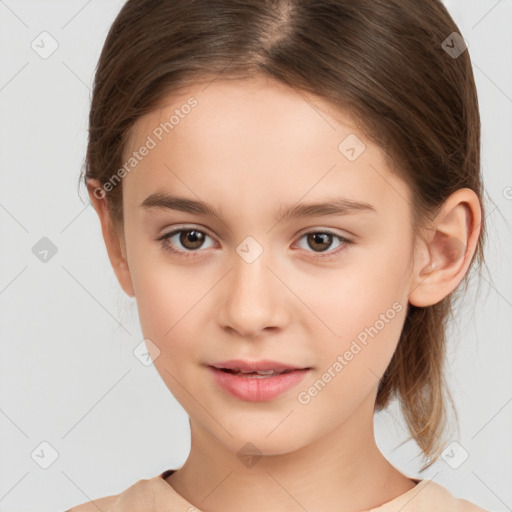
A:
{"x": 323, "y": 289}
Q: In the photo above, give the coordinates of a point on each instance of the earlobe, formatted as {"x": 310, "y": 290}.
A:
{"x": 443, "y": 258}
{"x": 113, "y": 242}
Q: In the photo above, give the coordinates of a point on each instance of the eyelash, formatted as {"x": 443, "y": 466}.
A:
{"x": 164, "y": 241}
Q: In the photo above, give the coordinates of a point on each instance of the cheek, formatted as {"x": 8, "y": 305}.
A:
{"x": 350, "y": 364}
{"x": 357, "y": 313}
{"x": 168, "y": 305}
{"x": 360, "y": 304}
{"x": 343, "y": 301}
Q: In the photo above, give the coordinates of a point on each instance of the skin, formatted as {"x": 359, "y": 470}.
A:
{"x": 249, "y": 148}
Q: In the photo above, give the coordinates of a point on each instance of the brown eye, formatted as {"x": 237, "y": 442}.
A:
{"x": 319, "y": 241}
{"x": 191, "y": 239}
{"x": 186, "y": 242}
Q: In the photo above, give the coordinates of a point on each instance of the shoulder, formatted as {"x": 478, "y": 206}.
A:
{"x": 426, "y": 496}
{"x": 467, "y": 506}
{"x": 431, "y": 495}
{"x": 141, "y": 493}
{"x": 447, "y": 500}
{"x": 95, "y": 505}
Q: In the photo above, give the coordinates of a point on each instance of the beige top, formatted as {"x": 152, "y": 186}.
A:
{"x": 156, "y": 495}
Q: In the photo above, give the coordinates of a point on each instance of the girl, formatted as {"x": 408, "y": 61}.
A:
{"x": 291, "y": 191}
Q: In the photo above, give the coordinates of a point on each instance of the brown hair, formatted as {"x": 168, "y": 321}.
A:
{"x": 385, "y": 62}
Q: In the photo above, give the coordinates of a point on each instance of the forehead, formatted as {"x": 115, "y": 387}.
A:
{"x": 258, "y": 138}
{"x": 259, "y": 108}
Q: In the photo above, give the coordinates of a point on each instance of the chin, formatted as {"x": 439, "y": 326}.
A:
{"x": 257, "y": 441}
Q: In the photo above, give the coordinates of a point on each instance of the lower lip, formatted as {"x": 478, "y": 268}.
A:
{"x": 257, "y": 389}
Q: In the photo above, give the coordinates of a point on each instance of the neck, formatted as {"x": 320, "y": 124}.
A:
{"x": 342, "y": 470}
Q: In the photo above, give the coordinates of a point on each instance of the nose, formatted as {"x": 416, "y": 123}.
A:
{"x": 252, "y": 299}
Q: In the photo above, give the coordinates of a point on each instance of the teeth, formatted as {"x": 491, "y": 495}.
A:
{"x": 260, "y": 372}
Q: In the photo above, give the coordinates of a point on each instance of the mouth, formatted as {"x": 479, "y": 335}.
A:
{"x": 262, "y": 366}
{"x": 260, "y": 374}
{"x": 257, "y": 381}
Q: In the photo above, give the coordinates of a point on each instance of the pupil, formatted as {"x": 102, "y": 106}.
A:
{"x": 191, "y": 239}
{"x": 320, "y": 238}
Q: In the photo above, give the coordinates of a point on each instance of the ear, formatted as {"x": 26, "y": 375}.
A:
{"x": 114, "y": 241}
{"x": 443, "y": 256}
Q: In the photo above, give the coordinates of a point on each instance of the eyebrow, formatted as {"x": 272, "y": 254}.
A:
{"x": 331, "y": 206}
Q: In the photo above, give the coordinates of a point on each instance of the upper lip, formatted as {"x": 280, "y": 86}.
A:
{"x": 254, "y": 366}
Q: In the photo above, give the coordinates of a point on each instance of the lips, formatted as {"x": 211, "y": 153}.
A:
{"x": 257, "y": 374}
{"x": 256, "y": 381}
{"x": 255, "y": 366}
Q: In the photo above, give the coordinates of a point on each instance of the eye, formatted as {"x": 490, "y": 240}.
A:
{"x": 188, "y": 240}
{"x": 321, "y": 240}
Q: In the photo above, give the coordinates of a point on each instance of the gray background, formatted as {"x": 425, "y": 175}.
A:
{"x": 68, "y": 375}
